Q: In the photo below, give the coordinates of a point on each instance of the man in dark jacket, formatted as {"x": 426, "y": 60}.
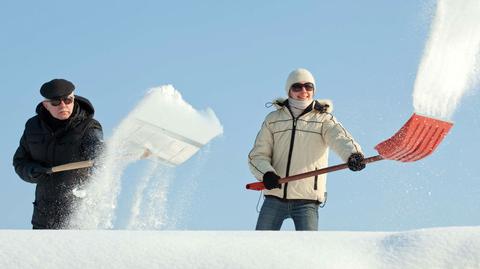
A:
{"x": 63, "y": 131}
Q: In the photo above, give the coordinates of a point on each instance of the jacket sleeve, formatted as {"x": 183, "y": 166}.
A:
{"x": 92, "y": 143}
{"x": 339, "y": 139}
{"x": 23, "y": 163}
{"x": 260, "y": 157}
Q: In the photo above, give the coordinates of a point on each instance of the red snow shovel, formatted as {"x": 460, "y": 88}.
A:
{"x": 417, "y": 139}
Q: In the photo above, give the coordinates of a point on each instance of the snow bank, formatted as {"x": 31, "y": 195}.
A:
{"x": 454, "y": 247}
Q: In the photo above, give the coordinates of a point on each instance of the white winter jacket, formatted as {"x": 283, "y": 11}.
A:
{"x": 289, "y": 146}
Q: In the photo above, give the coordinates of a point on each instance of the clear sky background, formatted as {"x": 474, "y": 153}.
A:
{"x": 234, "y": 56}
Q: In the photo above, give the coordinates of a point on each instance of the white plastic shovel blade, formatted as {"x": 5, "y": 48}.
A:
{"x": 163, "y": 144}
{"x": 170, "y": 128}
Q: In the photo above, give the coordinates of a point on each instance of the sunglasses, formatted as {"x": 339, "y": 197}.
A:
{"x": 65, "y": 100}
{"x": 297, "y": 87}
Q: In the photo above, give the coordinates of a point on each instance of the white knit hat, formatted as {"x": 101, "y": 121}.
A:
{"x": 299, "y": 75}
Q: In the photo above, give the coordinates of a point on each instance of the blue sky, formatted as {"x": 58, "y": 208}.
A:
{"x": 234, "y": 57}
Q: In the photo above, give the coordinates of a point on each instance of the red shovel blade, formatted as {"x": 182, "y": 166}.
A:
{"x": 416, "y": 139}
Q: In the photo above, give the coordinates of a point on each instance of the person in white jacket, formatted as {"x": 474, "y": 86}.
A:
{"x": 293, "y": 139}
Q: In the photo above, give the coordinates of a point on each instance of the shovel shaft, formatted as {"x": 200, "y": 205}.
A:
{"x": 258, "y": 186}
{"x": 71, "y": 166}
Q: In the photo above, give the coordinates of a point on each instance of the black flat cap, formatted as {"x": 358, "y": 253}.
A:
{"x": 57, "y": 88}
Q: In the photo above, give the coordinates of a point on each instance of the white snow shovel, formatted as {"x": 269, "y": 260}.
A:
{"x": 162, "y": 127}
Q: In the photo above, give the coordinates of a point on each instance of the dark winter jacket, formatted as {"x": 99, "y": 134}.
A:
{"x": 48, "y": 142}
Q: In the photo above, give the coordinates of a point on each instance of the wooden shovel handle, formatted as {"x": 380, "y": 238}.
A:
{"x": 71, "y": 166}
{"x": 258, "y": 186}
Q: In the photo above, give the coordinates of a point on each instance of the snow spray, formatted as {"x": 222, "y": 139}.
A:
{"x": 148, "y": 210}
{"x": 178, "y": 126}
{"x": 450, "y": 60}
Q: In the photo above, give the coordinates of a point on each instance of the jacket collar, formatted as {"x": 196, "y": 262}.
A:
{"x": 83, "y": 109}
{"x": 320, "y": 105}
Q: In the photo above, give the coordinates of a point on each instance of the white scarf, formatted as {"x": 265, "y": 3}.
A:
{"x": 298, "y": 106}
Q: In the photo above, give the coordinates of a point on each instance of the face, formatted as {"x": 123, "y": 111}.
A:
{"x": 60, "y": 109}
{"x": 302, "y": 91}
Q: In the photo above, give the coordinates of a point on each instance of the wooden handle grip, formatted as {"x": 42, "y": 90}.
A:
{"x": 72, "y": 166}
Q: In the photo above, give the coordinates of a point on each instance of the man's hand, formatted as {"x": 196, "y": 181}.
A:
{"x": 38, "y": 172}
{"x": 355, "y": 162}
{"x": 270, "y": 180}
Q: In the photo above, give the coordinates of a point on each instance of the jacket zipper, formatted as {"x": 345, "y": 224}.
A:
{"x": 50, "y": 155}
{"x": 315, "y": 186}
{"x": 292, "y": 141}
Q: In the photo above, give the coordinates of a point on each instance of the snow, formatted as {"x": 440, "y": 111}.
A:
{"x": 449, "y": 66}
{"x": 450, "y": 247}
{"x": 172, "y": 130}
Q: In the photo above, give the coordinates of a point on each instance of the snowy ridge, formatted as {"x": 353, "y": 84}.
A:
{"x": 453, "y": 247}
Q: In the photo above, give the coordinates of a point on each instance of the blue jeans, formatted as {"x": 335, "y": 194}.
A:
{"x": 274, "y": 211}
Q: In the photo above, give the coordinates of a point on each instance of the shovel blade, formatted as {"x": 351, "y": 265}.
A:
{"x": 417, "y": 139}
{"x": 166, "y": 146}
